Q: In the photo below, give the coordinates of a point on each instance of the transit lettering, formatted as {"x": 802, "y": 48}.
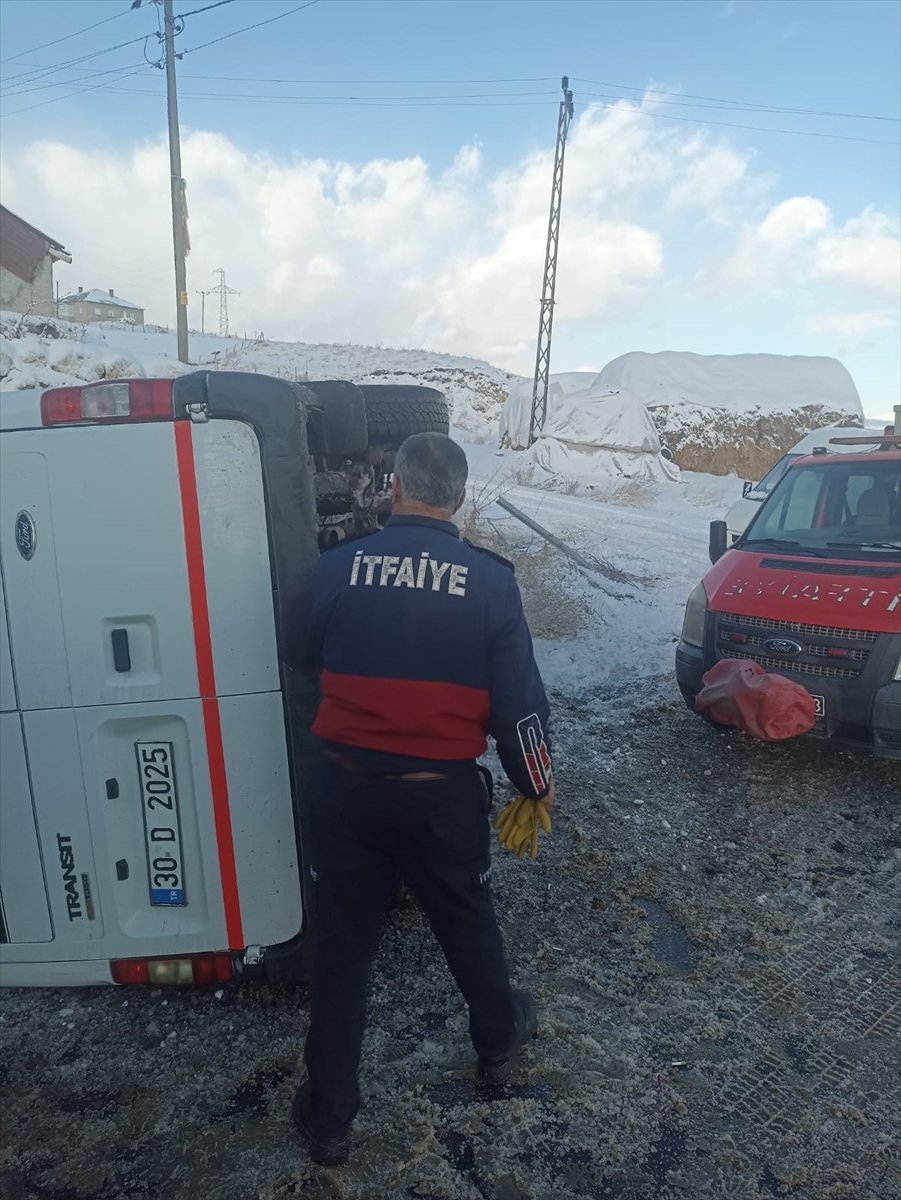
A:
{"x": 70, "y": 883}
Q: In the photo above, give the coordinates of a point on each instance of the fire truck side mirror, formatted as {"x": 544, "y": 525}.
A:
{"x": 717, "y": 540}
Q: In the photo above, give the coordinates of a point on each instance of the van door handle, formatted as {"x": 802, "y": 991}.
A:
{"x": 121, "y": 652}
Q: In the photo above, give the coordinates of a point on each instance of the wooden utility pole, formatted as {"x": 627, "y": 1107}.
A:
{"x": 203, "y": 295}
{"x": 177, "y": 189}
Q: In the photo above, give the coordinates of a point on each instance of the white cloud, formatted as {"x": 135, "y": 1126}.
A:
{"x": 395, "y": 252}
{"x": 853, "y": 333}
{"x": 864, "y": 253}
{"x": 386, "y": 250}
{"x": 797, "y": 246}
{"x": 853, "y": 324}
{"x": 712, "y": 175}
{"x": 770, "y": 253}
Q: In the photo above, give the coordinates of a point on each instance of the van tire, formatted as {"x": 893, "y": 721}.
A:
{"x": 394, "y": 411}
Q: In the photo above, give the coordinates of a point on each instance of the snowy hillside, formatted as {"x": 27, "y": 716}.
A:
{"x": 720, "y": 414}
{"x": 38, "y": 352}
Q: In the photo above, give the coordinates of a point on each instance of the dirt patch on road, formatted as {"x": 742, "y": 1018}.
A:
{"x": 712, "y": 935}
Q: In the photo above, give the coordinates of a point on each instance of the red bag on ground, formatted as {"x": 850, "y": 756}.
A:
{"x": 770, "y": 707}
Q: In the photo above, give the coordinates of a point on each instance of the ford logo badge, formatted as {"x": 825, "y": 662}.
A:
{"x": 25, "y": 535}
{"x": 785, "y": 647}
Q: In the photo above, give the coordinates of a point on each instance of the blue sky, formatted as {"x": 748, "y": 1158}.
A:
{"x": 420, "y": 221}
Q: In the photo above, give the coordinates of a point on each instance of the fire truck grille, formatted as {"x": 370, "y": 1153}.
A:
{"x": 798, "y": 668}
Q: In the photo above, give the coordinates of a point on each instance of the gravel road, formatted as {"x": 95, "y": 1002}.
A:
{"x": 712, "y": 934}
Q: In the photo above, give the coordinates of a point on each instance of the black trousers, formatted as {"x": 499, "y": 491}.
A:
{"x": 365, "y": 832}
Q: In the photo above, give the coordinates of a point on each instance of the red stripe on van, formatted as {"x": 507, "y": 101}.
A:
{"x": 200, "y": 613}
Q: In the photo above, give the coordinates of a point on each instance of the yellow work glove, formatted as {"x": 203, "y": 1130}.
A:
{"x": 517, "y": 825}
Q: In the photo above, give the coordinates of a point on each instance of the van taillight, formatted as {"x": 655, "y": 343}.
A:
{"x": 122, "y": 400}
{"x": 189, "y": 968}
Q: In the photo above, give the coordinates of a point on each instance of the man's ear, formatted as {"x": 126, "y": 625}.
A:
{"x": 460, "y": 502}
{"x": 397, "y": 492}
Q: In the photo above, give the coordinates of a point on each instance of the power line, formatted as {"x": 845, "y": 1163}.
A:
{"x": 62, "y": 83}
{"x": 737, "y": 105}
{"x": 741, "y": 104}
{"x": 841, "y": 137}
{"x": 715, "y": 102}
{"x": 68, "y": 37}
{"x": 725, "y": 107}
{"x": 451, "y": 102}
{"x": 247, "y": 28}
{"x": 465, "y": 100}
{"x": 80, "y": 91}
{"x": 41, "y": 73}
{"x": 194, "y": 11}
{"x": 470, "y": 100}
{"x": 381, "y": 82}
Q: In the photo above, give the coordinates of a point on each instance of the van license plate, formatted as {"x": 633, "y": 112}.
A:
{"x": 162, "y": 832}
{"x": 819, "y": 706}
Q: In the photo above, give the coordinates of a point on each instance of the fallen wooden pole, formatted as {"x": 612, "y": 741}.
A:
{"x": 581, "y": 562}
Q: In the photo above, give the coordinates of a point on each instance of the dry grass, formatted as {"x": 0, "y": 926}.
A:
{"x": 719, "y": 442}
{"x": 630, "y": 493}
{"x": 545, "y": 576}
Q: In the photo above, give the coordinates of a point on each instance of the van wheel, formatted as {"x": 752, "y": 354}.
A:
{"x": 394, "y": 411}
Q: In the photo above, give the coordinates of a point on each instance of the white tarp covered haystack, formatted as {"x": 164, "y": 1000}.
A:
{"x": 738, "y": 382}
{"x": 589, "y": 432}
{"x": 516, "y": 413}
{"x": 735, "y": 412}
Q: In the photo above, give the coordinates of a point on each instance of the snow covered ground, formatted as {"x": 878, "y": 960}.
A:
{"x": 657, "y": 533}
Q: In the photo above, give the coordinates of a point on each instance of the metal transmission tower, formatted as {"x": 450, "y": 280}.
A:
{"x": 546, "y": 318}
{"x": 224, "y": 292}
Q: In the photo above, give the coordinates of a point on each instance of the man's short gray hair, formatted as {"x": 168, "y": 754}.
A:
{"x": 432, "y": 469}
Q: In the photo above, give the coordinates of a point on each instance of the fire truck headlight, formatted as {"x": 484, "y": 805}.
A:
{"x": 695, "y": 614}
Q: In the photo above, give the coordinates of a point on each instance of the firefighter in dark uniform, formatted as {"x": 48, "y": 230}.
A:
{"x": 423, "y": 650}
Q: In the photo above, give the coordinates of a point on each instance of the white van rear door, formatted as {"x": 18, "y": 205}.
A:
{"x": 24, "y": 912}
{"x": 159, "y": 641}
{"x": 65, "y": 833}
{"x": 23, "y": 903}
{"x": 8, "y": 702}
{"x": 190, "y": 857}
{"x": 33, "y": 601}
{"x": 104, "y": 612}
{"x": 100, "y": 614}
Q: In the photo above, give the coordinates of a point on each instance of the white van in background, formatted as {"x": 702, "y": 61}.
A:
{"x": 741, "y": 513}
{"x": 157, "y": 538}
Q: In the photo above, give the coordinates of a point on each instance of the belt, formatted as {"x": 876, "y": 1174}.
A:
{"x": 348, "y": 764}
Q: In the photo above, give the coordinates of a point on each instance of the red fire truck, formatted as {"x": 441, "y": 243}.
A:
{"x": 812, "y": 591}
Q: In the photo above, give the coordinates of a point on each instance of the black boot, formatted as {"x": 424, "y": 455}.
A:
{"x": 495, "y": 1071}
{"x": 331, "y": 1151}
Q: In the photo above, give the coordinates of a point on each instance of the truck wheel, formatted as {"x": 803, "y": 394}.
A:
{"x": 394, "y": 411}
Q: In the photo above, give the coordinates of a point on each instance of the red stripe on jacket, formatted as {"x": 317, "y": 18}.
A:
{"x": 403, "y": 716}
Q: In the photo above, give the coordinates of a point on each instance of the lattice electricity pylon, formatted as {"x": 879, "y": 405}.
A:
{"x": 546, "y": 317}
{"x": 224, "y": 292}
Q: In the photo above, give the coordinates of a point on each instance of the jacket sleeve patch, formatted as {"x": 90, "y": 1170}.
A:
{"x": 535, "y": 752}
